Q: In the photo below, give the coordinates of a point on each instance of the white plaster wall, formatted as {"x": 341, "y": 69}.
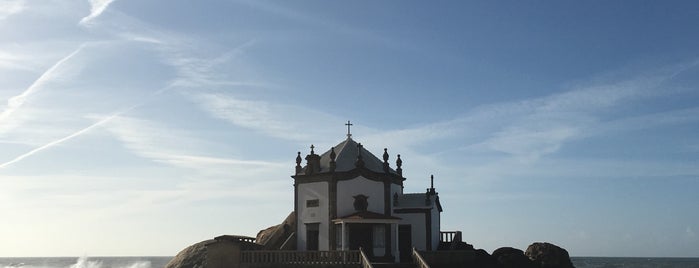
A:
{"x": 309, "y": 191}
{"x": 417, "y": 222}
{"x": 360, "y": 185}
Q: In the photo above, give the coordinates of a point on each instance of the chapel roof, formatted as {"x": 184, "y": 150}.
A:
{"x": 346, "y": 156}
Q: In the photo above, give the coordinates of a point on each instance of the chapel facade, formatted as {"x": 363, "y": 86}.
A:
{"x": 347, "y": 198}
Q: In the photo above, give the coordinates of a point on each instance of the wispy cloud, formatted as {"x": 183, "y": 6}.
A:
{"x": 10, "y": 7}
{"x": 273, "y": 119}
{"x": 16, "y": 102}
{"x": 56, "y": 142}
{"x": 96, "y": 9}
{"x": 175, "y": 147}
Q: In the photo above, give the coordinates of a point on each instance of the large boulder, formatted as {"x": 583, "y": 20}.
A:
{"x": 279, "y": 236}
{"x": 509, "y": 257}
{"x": 484, "y": 260}
{"x": 221, "y": 252}
{"x": 548, "y": 255}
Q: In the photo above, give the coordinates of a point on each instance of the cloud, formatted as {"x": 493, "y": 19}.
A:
{"x": 56, "y": 142}
{"x": 273, "y": 119}
{"x": 96, "y": 9}
{"x": 16, "y": 102}
{"x": 175, "y": 147}
{"x": 11, "y": 7}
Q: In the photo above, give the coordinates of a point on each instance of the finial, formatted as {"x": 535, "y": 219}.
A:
{"x": 431, "y": 181}
{"x": 312, "y": 147}
{"x": 399, "y": 163}
{"x": 299, "y": 169}
{"x": 386, "y": 167}
{"x": 349, "y": 134}
{"x": 332, "y": 154}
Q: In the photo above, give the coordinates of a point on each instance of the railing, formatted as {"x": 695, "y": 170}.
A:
{"x": 364, "y": 259}
{"x": 418, "y": 260}
{"x": 300, "y": 257}
{"x": 290, "y": 239}
{"x": 450, "y": 236}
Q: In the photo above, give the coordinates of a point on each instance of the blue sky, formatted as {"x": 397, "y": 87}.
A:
{"x": 140, "y": 127}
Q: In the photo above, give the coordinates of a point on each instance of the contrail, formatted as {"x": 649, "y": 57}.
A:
{"x": 16, "y": 102}
{"x": 96, "y": 9}
{"x": 80, "y": 132}
{"x": 51, "y": 144}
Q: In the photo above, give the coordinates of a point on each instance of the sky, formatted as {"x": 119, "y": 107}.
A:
{"x": 136, "y": 128}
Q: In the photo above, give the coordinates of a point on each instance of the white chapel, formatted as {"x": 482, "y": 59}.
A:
{"x": 347, "y": 198}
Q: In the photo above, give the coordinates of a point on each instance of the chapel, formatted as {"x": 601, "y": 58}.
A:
{"x": 346, "y": 198}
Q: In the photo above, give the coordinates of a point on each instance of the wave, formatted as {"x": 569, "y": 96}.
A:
{"x": 81, "y": 262}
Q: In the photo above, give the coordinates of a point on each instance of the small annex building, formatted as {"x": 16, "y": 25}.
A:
{"x": 347, "y": 198}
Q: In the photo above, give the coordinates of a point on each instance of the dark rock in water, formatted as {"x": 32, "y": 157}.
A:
{"x": 549, "y": 255}
{"x": 509, "y": 257}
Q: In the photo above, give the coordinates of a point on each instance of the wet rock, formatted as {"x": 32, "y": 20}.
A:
{"x": 509, "y": 257}
{"x": 548, "y": 255}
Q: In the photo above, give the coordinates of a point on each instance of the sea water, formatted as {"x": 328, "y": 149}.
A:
{"x": 613, "y": 262}
{"x": 85, "y": 262}
{"x": 159, "y": 262}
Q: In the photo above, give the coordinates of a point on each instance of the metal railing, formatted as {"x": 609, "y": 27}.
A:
{"x": 300, "y": 257}
{"x": 418, "y": 260}
{"x": 365, "y": 262}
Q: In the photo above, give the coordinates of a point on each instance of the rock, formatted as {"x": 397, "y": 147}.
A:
{"x": 484, "y": 260}
{"x": 549, "y": 255}
{"x": 221, "y": 252}
{"x": 509, "y": 257}
{"x": 279, "y": 236}
{"x": 193, "y": 256}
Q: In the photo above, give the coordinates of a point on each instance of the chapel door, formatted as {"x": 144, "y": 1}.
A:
{"x": 360, "y": 236}
{"x": 405, "y": 242}
{"x": 312, "y": 236}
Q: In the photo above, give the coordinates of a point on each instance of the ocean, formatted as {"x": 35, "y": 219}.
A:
{"x": 159, "y": 262}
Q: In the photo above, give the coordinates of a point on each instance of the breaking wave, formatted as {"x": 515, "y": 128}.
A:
{"x": 82, "y": 262}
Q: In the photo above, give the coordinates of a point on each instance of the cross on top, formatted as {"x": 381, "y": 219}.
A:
{"x": 348, "y": 128}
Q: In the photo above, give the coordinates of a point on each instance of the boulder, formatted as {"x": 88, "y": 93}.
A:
{"x": 280, "y": 236}
{"x": 484, "y": 260}
{"x": 221, "y": 252}
{"x": 509, "y": 257}
{"x": 548, "y": 255}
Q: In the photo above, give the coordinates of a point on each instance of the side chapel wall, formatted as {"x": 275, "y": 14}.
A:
{"x": 310, "y": 191}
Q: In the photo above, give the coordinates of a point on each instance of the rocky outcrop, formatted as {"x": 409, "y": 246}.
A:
{"x": 548, "y": 255}
{"x": 484, "y": 260}
{"x": 279, "y": 236}
{"x": 221, "y": 252}
{"x": 193, "y": 256}
{"x": 509, "y": 257}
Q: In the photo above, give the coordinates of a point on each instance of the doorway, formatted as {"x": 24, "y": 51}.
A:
{"x": 405, "y": 242}
{"x": 360, "y": 236}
